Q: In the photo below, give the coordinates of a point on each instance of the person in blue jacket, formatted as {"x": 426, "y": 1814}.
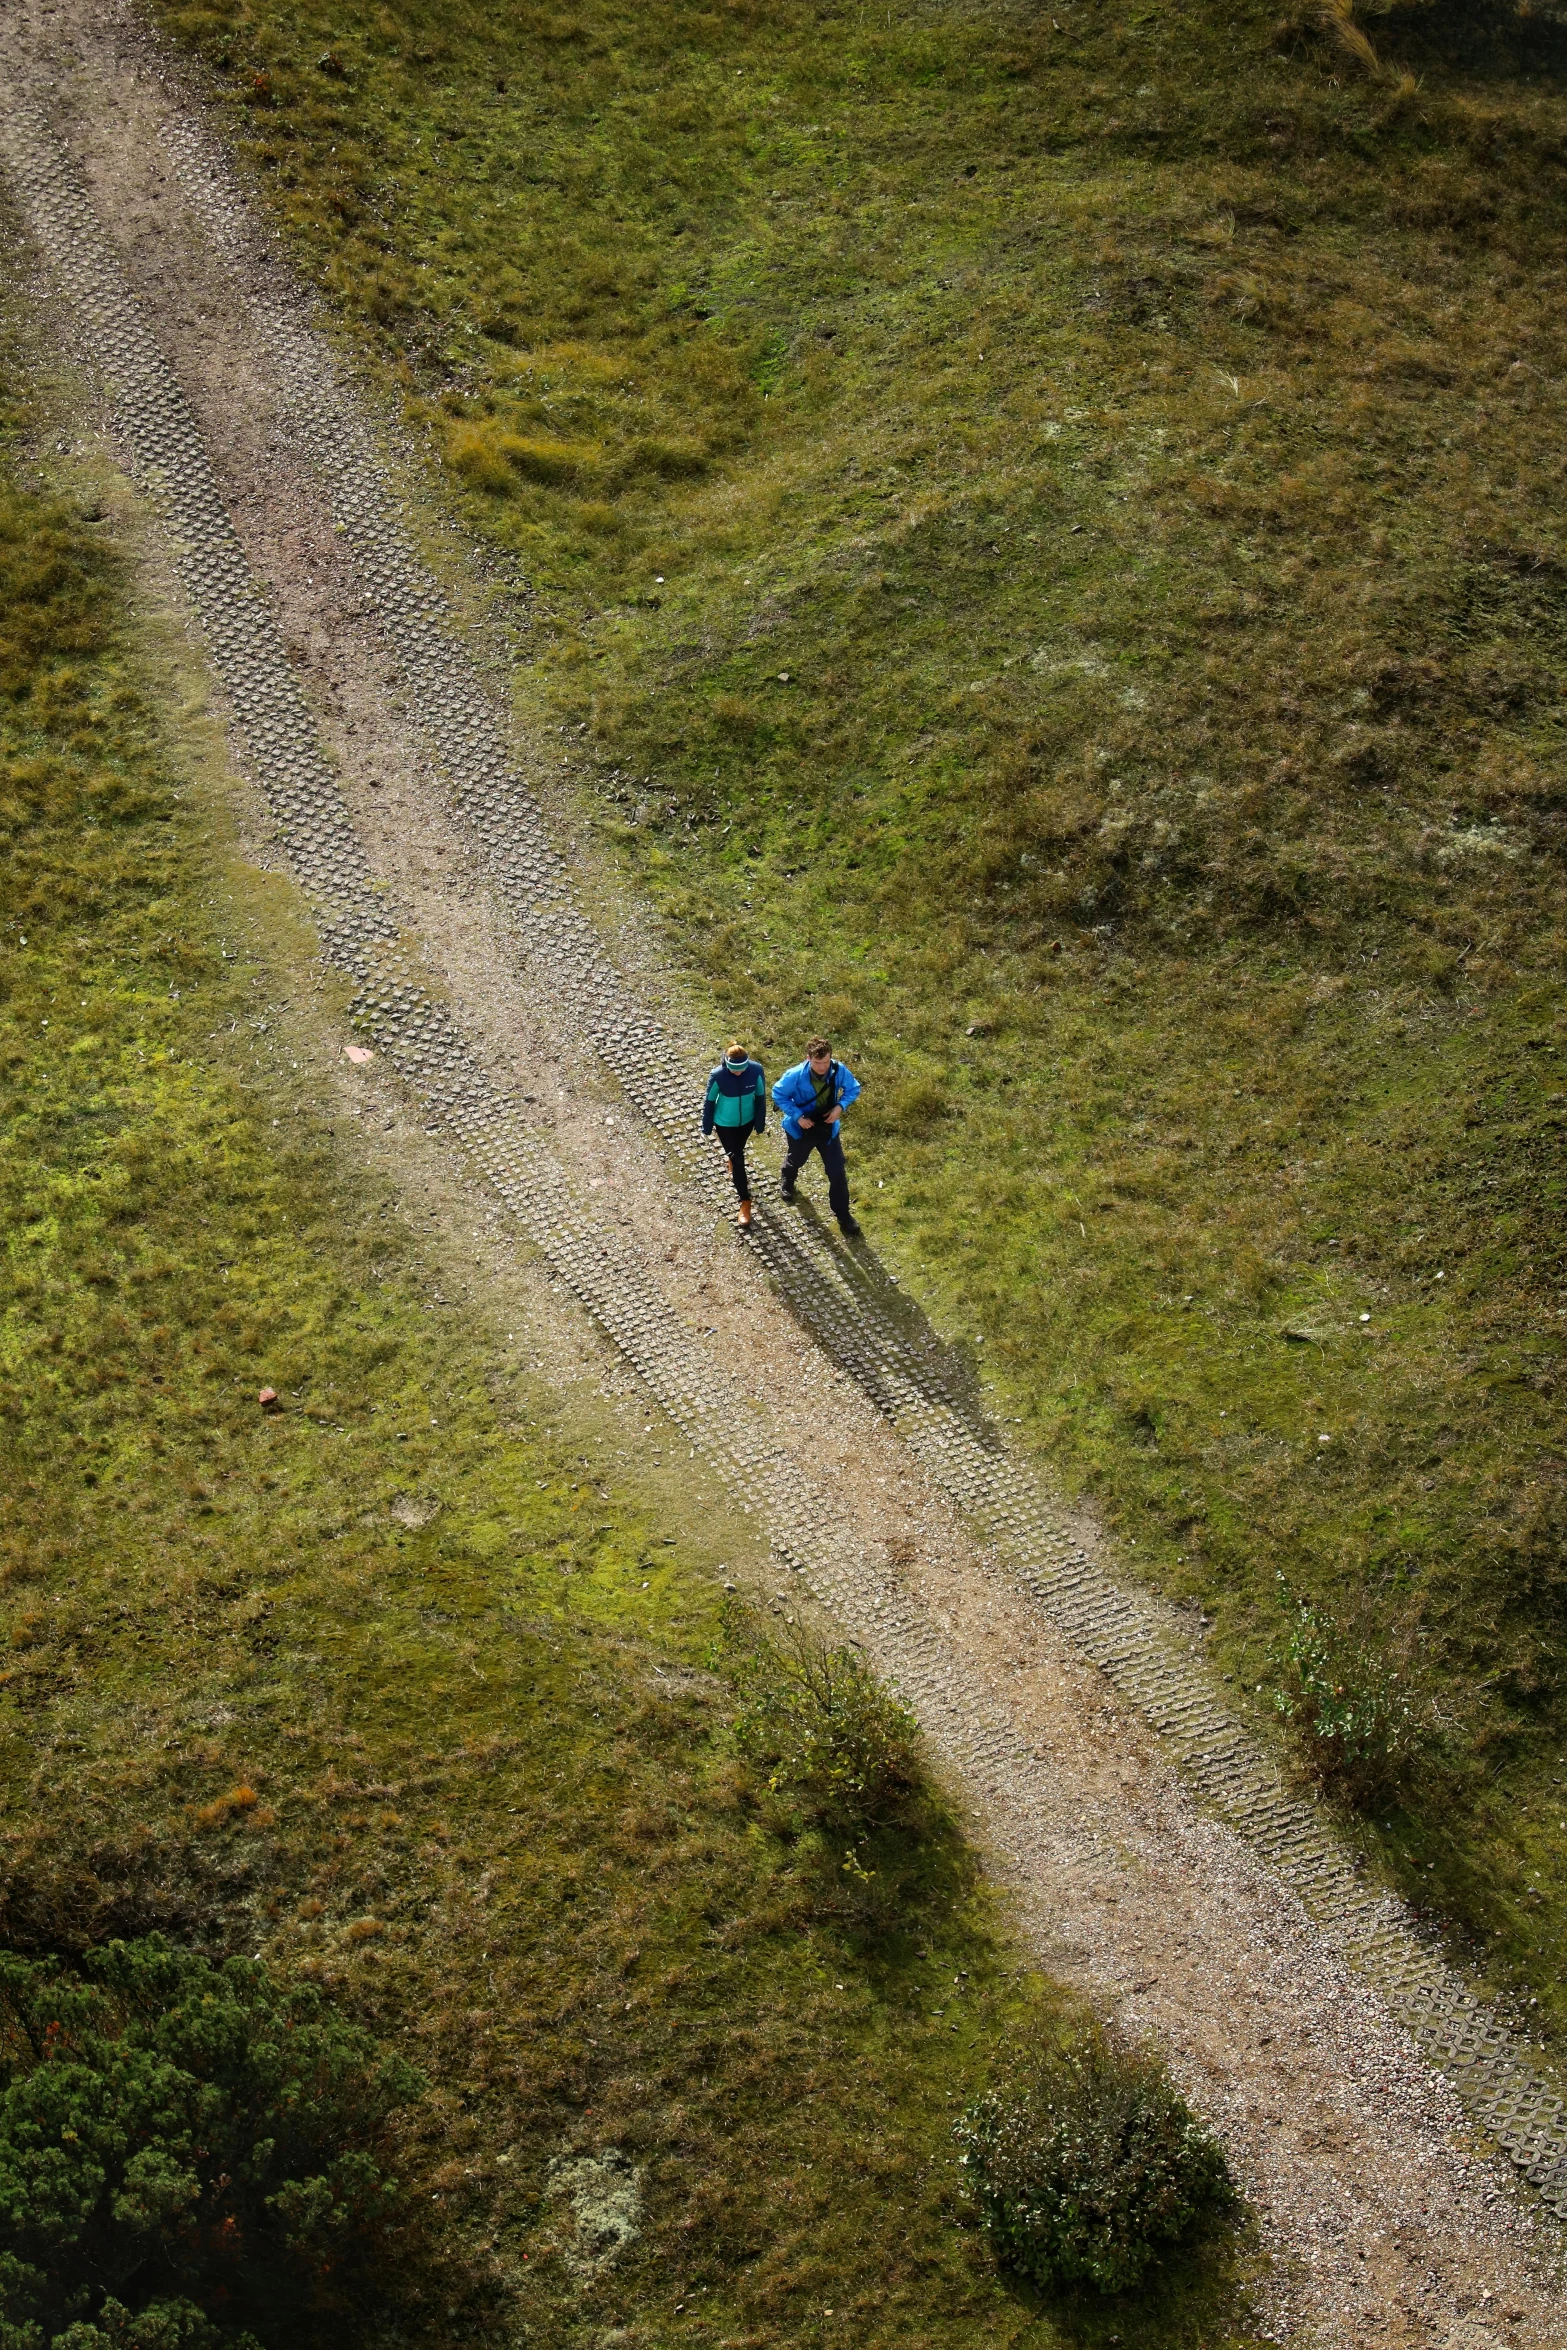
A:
{"x": 735, "y": 1109}
{"x": 813, "y": 1096}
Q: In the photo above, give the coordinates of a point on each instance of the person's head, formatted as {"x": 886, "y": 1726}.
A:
{"x": 735, "y": 1052}
{"x": 819, "y": 1053}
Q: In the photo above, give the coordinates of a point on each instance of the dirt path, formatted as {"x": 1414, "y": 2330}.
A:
{"x": 1059, "y": 1703}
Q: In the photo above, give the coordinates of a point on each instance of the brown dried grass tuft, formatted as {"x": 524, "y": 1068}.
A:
{"x": 1337, "y": 17}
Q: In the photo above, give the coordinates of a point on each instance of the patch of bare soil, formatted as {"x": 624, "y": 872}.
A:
{"x": 1390, "y": 2224}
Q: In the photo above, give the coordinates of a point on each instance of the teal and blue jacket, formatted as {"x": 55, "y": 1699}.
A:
{"x": 736, "y": 1096}
{"x": 797, "y": 1097}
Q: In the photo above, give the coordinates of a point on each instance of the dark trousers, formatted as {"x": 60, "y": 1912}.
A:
{"x": 824, "y": 1139}
{"x": 734, "y": 1140}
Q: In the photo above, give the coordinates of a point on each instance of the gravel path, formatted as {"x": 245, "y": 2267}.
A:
{"x": 1152, "y": 1854}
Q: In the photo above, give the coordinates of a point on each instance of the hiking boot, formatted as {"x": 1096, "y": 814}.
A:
{"x": 786, "y": 1194}
{"x": 848, "y": 1227}
{"x": 744, "y": 1218}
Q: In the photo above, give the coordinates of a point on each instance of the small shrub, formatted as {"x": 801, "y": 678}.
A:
{"x": 1086, "y": 2173}
{"x": 493, "y": 460}
{"x": 547, "y": 461}
{"x": 831, "y": 1740}
{"x": 190, "y": 2155}
{"x": 472, "y": 452}
{"x": 674, "y": 460}
{"x": 914, "y": 1105}
{"x": 1346, "y": 1705}
{"x": 735, "y": 716}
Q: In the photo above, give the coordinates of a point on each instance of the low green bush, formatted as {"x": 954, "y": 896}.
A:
{"x": 1345, "y": 1704}
{"x": 834, "y": 1745}
{"x": 913, "y": 1105}
{"x": 190, "y": 2156}
{"x": 1085, "y": 2173}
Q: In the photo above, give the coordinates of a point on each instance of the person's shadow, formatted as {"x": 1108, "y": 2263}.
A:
{"x": 855, "y": 1310}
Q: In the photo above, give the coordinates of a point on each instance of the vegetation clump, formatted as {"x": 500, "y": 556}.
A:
{"x": 833, "y": 1743}
{"x": 1347, "y": 1707}
{"x": 190, "y": 2155}
{"x": 1085, "y": 2174}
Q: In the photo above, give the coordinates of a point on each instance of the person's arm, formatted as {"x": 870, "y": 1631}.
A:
{"x": 707, "y": 1106}
{"x": 799, "y": 1100}
{"x": 848, "y": 1091}
{"x": 759, "y": 1114}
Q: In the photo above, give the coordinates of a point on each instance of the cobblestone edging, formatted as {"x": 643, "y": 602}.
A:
{"x": 860, "y": 1323}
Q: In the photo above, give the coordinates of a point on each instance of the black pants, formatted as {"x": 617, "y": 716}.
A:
{"x": 798, "y": 1150}
{"x": 734, "y": 1140}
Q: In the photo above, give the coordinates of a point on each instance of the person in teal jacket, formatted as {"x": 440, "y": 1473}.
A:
{"x": 735, "y": 1109}
{"x": 813, "y": 1096}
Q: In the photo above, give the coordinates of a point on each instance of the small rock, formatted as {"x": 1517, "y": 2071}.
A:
{"x": 358, "y": 1054}
{"x": 269, "y": 1400}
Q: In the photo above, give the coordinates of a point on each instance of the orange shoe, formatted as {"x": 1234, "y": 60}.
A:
{"x": 745, "y": 1215}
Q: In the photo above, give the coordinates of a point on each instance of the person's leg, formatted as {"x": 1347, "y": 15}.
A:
{"x": 734, "y": 1140}
{"x": 797, "y": 1149}
{"x": 837, "y": 1178}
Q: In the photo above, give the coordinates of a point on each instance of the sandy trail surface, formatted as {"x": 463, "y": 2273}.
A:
{"x": 1072, "y": 1716}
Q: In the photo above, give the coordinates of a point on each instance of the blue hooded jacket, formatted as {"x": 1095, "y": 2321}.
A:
{"x": 795, "y": 1094}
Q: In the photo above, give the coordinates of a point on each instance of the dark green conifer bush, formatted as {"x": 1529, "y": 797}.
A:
{"x": 190, "y": 2156}
{"x": 1085, "y": 2173}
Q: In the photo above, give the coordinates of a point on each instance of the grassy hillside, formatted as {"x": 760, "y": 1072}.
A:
{"x": 388, "y": 1685}
{"x": 1045, "y": 528}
